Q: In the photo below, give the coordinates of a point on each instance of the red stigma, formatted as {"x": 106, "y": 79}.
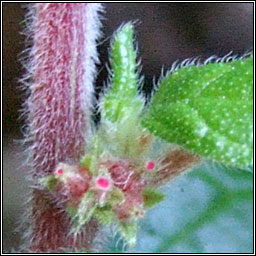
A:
{"x": 59, "y": 171}
{"x": 150, "y": 166}
{"x": 103, "y": 183}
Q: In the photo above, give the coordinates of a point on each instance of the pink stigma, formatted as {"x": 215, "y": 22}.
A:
{"x": 59, "y": 171}
{"x": 103, "y": 183}
{"x": 150, "y": 166}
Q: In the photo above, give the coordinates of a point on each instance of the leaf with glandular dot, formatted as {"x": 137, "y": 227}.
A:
{"x": 208, "y": 110}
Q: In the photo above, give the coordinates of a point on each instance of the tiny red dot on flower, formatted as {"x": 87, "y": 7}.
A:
{"x": 103, "y": 183}
{"x": 59, "y": 171}
{"x": 150, "y": 165}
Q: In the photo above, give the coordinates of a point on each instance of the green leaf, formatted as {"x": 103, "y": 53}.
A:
{"x": 152, "y": 197}
{"x": 122, "y": 101}
{"x": 208, "y": 110}
{"x": 208, "y": 210}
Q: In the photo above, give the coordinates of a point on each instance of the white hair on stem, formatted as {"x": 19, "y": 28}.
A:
{"x": 42, "y": 153}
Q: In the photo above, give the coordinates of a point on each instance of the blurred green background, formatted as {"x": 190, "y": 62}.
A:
{"x": 166, "y": 32}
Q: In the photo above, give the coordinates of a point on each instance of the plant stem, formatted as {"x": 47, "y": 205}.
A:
{"x": 61, "y": 68}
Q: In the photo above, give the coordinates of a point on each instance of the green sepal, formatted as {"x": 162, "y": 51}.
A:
{"x": 85, "y": 211}
{"x": 94, "y": 150}
{"x": 128, "y": 231}
{"x": 116, "y": 196}
{"x": 49, "y": 182}
{"x": 86, "y": 161}
{"x": 104, "y": 215}
{"x": 151, "y": 197}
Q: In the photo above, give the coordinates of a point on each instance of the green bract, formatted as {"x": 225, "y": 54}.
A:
{"x": 208, "y": 110}
{"x": 152, "y": 197}
{"x": 122, "y": 99}
{"x": 122, "y": 105}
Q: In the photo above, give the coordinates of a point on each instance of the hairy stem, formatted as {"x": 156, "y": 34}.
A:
{"x": 61, "y": 67}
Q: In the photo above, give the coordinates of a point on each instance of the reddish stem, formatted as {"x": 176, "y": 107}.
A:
{"x": 62, "y": 67}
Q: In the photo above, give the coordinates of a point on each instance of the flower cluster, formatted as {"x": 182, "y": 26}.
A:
{"x": 116, "y": 176}
{"x": 114, "y": 190}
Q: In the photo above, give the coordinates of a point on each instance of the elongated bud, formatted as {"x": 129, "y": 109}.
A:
{"x": 61, "y": 68}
